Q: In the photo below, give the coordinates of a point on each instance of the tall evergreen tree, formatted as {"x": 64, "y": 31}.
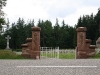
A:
{"x": 56, "y": 33}
{"x": 2, "y": 20}
{"x": 97, "y": 20}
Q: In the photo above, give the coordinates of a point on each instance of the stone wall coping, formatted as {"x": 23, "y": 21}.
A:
{"x": 88, "y": 41}
{"x": 29, "y": 39}
{"x": 92, "y": 46}
{"x": 24, "y": 45}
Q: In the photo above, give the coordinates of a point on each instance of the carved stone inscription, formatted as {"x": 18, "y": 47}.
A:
{"x": 81, "y": 39}
{"x": 35, "y": 40}
{"x": 35, "y": 37}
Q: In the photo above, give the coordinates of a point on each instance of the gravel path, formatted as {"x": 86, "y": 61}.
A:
{"x": 50, "y": 67}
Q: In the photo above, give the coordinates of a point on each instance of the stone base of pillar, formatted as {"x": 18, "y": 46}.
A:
{"x": 82, "y": 55}
{"x": 25, "y": 55}
{"x": 91, "y": 52}
{"x": 35, "y": 54}
{"x": 7, "y": 49}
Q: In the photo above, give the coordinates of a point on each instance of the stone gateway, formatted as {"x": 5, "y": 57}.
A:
{"x": 32, "y": 48}
{"x": 83, "y": 49}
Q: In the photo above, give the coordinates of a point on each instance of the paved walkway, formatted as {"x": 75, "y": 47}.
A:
{"x": 50, "y": 67}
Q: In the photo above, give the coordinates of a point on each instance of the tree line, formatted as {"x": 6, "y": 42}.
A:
{"x": 50, "y": 36}
{"x": 62, "y": 35}
{"x": 2, "y": 19}
{"x": 92, "y": 23}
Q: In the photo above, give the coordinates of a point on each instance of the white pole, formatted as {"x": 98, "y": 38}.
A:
{"x": 75, "y": 52}
{"x": 46, "y": 52}
{"x": 58, "y": 52}
{"x": 41, "y": 51}
{"x": 51, "y": 52}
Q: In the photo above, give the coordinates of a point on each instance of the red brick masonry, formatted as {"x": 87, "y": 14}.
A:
{"x": 84, "y": 49}
{"x": 32, "y": 48}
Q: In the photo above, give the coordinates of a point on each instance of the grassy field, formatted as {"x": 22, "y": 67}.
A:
{"x": 7, "y": 54}
{"x": 68, "y": 55}
{"x": 61, "y": 55}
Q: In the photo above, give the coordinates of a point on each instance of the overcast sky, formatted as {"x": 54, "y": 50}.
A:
{"x": 68, "y": 10}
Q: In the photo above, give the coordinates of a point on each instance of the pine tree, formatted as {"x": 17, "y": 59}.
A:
{"x": 2, "y": 21}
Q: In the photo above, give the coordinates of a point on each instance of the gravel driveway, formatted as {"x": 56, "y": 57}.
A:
{"x": 50, "y": 67}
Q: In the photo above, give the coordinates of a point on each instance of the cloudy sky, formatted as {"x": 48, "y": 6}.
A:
{"x": 68, "y": 10}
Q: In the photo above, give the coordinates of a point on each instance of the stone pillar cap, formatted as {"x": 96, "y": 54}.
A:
{"x": 81, "y": 29}
{"x": 24, "y": 45}
{"x": 29, "y": 39}
{"x": 35, "y": 28}
{"x": 88, "y": 40}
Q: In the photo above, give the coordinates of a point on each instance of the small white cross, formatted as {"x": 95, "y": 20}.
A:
{"x": 8, "y": 38}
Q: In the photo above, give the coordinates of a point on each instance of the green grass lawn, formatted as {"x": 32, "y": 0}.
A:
{"x": 7, "y": 54}
{"x": 97, "y": 56}
{"x": 61, "y": 55}
{"x": 67, "y": 55}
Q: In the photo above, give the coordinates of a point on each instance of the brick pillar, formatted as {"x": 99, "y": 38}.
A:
{"x": 29, "y": 42}
{"x": 81, "y": 42}
{"x": 90, "y": 48}
{"x": 92, "y": 51}
{"x": 25, "y": 50}
{"x": 35, "y": 52}
{"x": 88, "y": 42}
